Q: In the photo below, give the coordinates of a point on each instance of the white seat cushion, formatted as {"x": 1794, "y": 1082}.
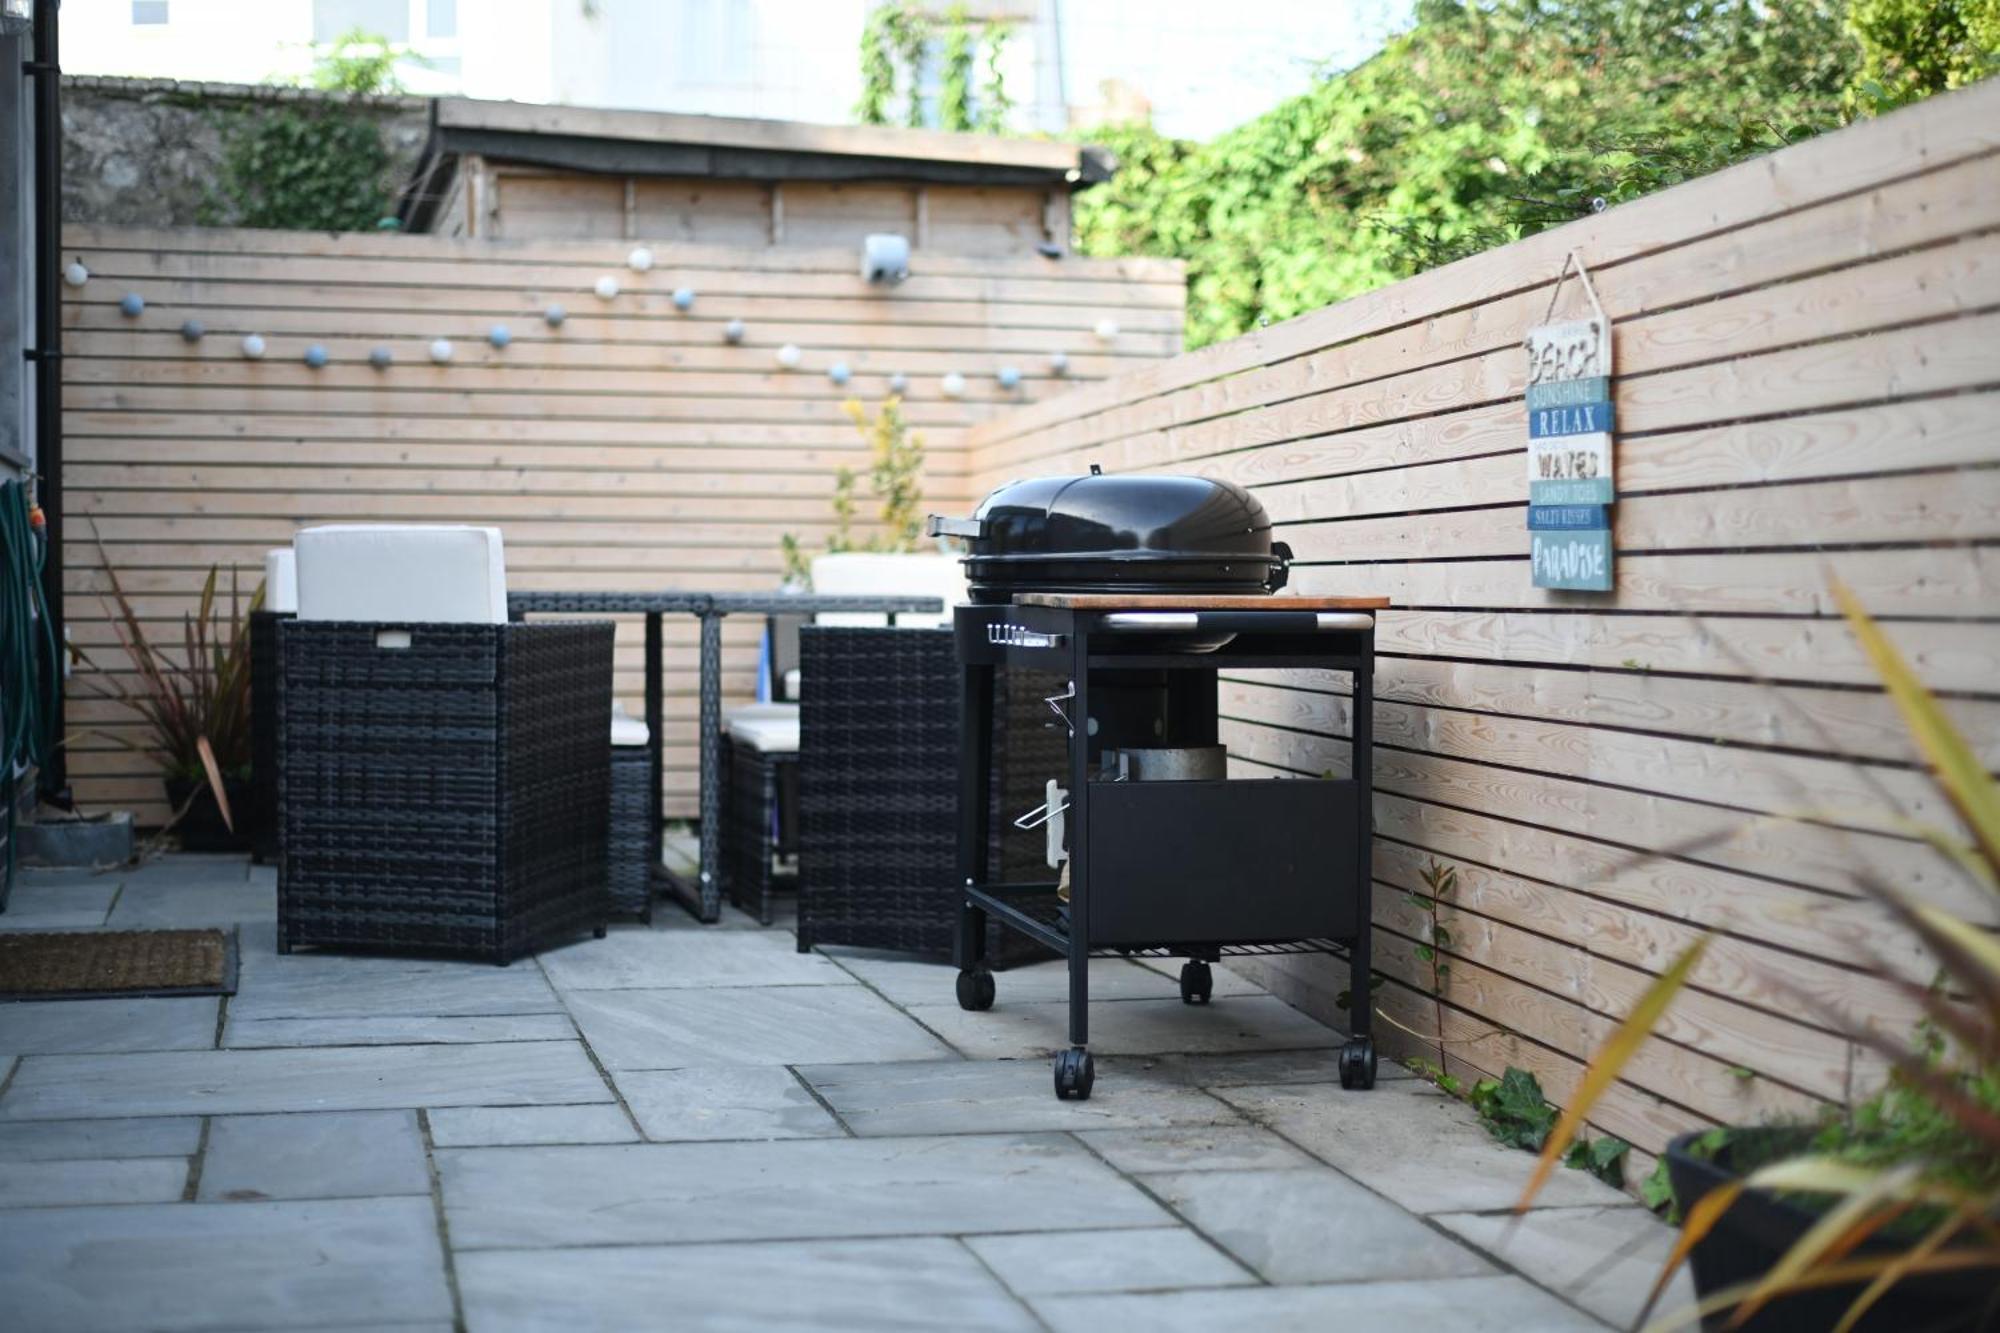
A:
{"x": 281, "y": 580}
{"x": 626, "y": 730}
{"x": 402, "y": 573}
{"x": 772, "y": 728}
{"x": 874, "y": 574}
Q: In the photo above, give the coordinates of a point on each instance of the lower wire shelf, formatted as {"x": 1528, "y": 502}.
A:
{"x": 1036, "y": 911}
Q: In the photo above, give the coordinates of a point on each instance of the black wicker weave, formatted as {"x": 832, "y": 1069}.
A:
{"x": 756, "y": 802}
{"x": 448, "y": 796}
{"x": 263, "y": 828}
{"x": 878, "y": 773}
{"x": 631, "y": 850}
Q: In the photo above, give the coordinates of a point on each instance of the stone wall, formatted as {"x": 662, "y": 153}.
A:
{"x": 147, "y": 152}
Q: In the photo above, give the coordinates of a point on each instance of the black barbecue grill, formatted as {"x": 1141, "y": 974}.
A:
{"x": 1136, "y": 590}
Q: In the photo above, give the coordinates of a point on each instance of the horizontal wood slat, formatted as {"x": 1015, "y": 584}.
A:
{"x": 1806, "y": 388}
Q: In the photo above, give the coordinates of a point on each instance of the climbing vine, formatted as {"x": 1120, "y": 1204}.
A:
{"x": 898, "y": 42}
{"x": 311, "y": 166}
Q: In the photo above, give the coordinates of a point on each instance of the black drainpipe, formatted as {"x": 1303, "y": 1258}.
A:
{"x": 46, "y": 70}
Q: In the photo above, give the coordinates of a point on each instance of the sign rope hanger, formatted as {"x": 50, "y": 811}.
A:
{"x": 1575, "y": 259}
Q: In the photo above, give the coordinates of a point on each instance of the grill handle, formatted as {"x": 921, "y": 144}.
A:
{"x": 972, "y": 529}
{"x": 1282, "y": 573}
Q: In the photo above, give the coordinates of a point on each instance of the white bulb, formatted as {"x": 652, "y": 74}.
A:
{"x": 441, "y": 350}
{"x": 607, "y": 287}
{"x": 76, "y": 274}
{"x": 953, "y": 385}
{"x": 253, "y": 346}
{"x": 1107, "y": 329}
{"x": 733, "y": 331}
{"x": 639, "y": 260}
{"x": 1058, "y": 363}
{"x": 789, "y": 356}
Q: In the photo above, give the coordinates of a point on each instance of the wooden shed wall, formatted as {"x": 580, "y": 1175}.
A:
{"x": 631, "y": 448}
{"x": 1808, "y": 356}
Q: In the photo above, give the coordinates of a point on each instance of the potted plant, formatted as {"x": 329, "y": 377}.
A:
{"x": 1884, "y": 1215}
{"x": 196, "y": 709}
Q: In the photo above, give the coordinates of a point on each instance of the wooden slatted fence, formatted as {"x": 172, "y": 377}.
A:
{"x": 631, "y": 448}
{"x": 1808, "y": 355}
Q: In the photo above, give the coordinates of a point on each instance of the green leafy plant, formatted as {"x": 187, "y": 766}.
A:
{"x": 1919, "y": 1160}
{"x": 1911, "y": 49}
{"x": 1441, "y": 880}
{"x": 1515, "y": 1112}
{"x": 895, "y": 471}
{"x": 358, "y": 62}
{"x": 197, "y": 708}
{"x": 1481, "y": 123}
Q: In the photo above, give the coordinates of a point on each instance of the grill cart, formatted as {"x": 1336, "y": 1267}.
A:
{"x": 1115, "y": 586}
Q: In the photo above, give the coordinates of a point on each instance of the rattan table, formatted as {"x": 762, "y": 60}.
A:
{"x": 704, "y": 896}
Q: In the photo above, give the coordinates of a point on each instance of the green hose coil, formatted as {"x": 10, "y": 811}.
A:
{"x": 30, "y": 667}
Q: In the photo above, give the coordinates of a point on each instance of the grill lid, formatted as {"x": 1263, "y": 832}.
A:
{"x": 1144, "y": 532}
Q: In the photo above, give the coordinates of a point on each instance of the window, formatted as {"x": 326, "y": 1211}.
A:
{"x": 334, "y": 19}
{"x": 441, "y": 18}
{"x": 148, "y": 13}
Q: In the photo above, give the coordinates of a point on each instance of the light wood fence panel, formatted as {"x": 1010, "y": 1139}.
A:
{"x": 631, "y": 448}
{"x": 1808, "y": 356}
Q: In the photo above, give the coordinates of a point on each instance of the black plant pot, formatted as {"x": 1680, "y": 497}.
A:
{"x": 201, "y": 829}
{"x": 1759, "y": 1227}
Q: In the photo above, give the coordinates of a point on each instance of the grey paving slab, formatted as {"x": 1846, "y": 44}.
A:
{"x": 1604, "y": 1259}
{"x": 1127, "y": 1027}
{"x": 1462, "y": 1305}
{"x": 52, "y": 906}
{"x": 1193, "y": 1148}
{"x": 488, "y": 1126}
{"x": 1228, "y": 1069}
{"x": 781, "y": 1190}
{"x": 724, "y": 1102}
{"x": 395, "y": 1030}
{"x": 323, "y": 986}
{"x": 1310, "y": 1224}
{"x": 186, "y": 1266}
{"x": 860, "y": 1285}
{"x": 637, "y": 958}
{"x": 988, "y": 1096}
{"x": 1408, "y": 1140}
{"x": 108, "y": 1180}
{"x": 762, "y": 1025}
{"x": 1053, "y": 1262}
{"x": 79, "y": 1027}
{"x": 81, "y": 1140}
{"x": 915, "y": 981}
{"x": 169, "y": 904}
{"x": 183, "y": 868}
{"x": 325, "y": 1155}
{"x": 522, "y": 1073}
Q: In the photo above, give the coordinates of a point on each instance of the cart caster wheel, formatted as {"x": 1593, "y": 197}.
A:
{"x": 975, "y": 990}
{"x": 1357, "y": 1064}
{"x": 1075, "y": 1073}
{"x": 1197, "y": 982}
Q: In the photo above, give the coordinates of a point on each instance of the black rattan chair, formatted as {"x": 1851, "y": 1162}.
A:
{"x": 878, "y": 775}
{"x": 263, "y": 811}
{"x": 630, "y": 866}
{"x": 442, "y": 787}
{"x": 761, "y": 810}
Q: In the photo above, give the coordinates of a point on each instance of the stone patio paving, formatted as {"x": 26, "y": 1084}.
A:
{"x": 698, "y": 1127}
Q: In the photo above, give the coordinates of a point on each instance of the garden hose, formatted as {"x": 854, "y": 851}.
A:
{"x": 30, "y": 668}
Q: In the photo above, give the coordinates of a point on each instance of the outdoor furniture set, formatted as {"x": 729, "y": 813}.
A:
{"x": 446, "y": 779}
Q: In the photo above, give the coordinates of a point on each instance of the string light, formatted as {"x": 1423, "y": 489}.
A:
{"x": 607, "y": 287}
{"x": 253, "y": 346}
{"x": 953, "y": 385}
{"x": 380, "y": 357}
{"x": 683, "y": 298}
{"x": 554, "y": 316}
{"x": 133, "y": 304}
{"x": 499, "y": 335}
{"x": 789, "y": 356}
{"x": 191, "y": 331}
{"x": 441, "y": 350}
{"x": 76, "y": 274}
{"x": 732, "y": 332}
{"x": 639, "y": 260}
{"x": 315, "y": 356}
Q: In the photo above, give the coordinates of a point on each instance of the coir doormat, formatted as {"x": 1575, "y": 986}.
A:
{"x": 95, "y": 964}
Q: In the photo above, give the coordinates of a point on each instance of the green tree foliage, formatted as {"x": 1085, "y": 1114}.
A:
{"x": 1913, "y": 48}
{"x": 313, "y": 167}
{"x": 1483, "y": 122}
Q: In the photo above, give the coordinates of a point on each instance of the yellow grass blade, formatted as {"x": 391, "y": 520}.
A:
{"x": 1610, "y": 1061}
{"x": 1893, "y": 1274}
{"x": 1700, "y": 1220}
{"x": 1958, "y": 770}
{"x": 1983, "y": 948}
{"x": 214, "y": 772}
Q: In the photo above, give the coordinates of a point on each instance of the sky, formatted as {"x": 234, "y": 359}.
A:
{"x": 1208, "y": 65}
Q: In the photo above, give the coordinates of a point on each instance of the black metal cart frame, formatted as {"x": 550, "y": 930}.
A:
{"x": 1194, "y": 869}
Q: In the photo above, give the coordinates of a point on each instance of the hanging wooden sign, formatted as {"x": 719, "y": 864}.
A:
{"x": 1571, "y": 423}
